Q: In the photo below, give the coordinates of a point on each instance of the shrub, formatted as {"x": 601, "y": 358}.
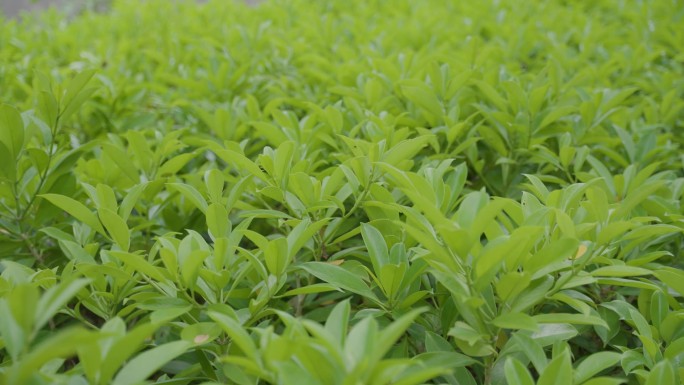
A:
{"x": 374, "y": 192}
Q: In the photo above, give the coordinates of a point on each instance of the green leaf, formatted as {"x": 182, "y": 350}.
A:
{"x": 76, "y": 93}
{"x": 377, "y": 248}
{"x": 139, "y": 264}
{"x": 620, "y": 271}
{"x": 8, "y": 166}
{"x": 104, "y": 197}
{"x": 490, "y": 93}
{"x": 420, "y": 376}
{"x": 60, "y": 345}
{"x": 516, "y": 373}
{"x": 446, "y": 359}
{"x": 191, "y": 266}
{"x": 78, "y": 101}
{"x": 340, "y": 277}
{"x": 164, "y": 315}
{"x": 470, "y": 341}
{"x": 425, "y": 99}
{"x": 406, "y": 149}
{"x": 301, "y": 234}
{"x": 145, "y": 364}
{"x": 122, "y": 161}
{"x": 515, "y": 321}
{"x": 594, "y": 364}
{"x": 673, "y": 278}
{"x": 48, "y": 110}
{"x": 276, "y": 256}
{"x": 338, "y": 321}
{"x": 310, "y": 289}
{"x": 116, "y": 227}
{"x": 556, "y": 251}
{"x": 659, "y": 308}
{"x": 240, "y": 161}
{"x": 540, "y": 189}
{"x": 390, "y": 334}
{"x": 191, "y": 194}
{"x": 605, "y": 381}
{"x": 575, "y": 319}
{"x": 532, "y": 349}
{"x": 55, "y": 298}
{"x": 636, "y": 197}
{"x": 662, "y": 374}
{"x": 391, "y": 279}
{"x": 76, "y": 209}
{"x": 360, "y": 344}
{"x": 13, "y": 335}
{"x": 175, "y": 164}
{"x": 130, "y": 200}
{"x": 218, "y": 222}
{"x": 237, "y": 334}
{"x": 672, "y": 326}
{"x": 558, "y": 371}
{"x": 548, "y": 334}
{"x": 214, "y": 180}
{"x": 675, "y": 352}
{"x": 555, "y": 115}
{"x": 533, "y": 294}
{"x": 122, "y": 348}
{"x": 11, "y": 130}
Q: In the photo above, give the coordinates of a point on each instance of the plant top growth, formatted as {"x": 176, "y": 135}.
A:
{"x": 343, "y": 193}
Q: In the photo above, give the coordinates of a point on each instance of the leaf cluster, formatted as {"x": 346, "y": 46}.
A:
{"x": 405, "y": 192}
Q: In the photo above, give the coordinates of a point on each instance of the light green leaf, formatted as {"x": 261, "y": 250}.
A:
{"x": 76, "y": 93}
{"x": 605, "y": 381}
{"x": 8, "y": 166}
{"x": 377, "y": 248}
{"x": 55, "y": 298}
{"x": 575, "y": 319}
{"x": 515, "y": 321}
{"x": 391, "y": 278}
{"x": 11, "y": 130}
{"x": 13, "y": 335}
{"x": 139, "y": 264}
{"x": 391, "y": 333}
{"x": 60, "y": 345}
{"x": 237, "y": 333}
{"x": 340, "y": 277}
{"x": 532, "y": 349}
{"x": 620, "y": 271}
{"x": 76, "y": 209}
{"x": 218, "y": 222}
{"x": 191, "y": 194}
{"x": 558, "y": 371}
{"x": 164, "y": 315}
{"x": 130, "y": 200}
{"x": 662, "y": 374}
{"x": 406, "y": 149}
{"x": 310, "y": 289}
{"x": 173, "y": 165}
{"x": 145, "y": 364}
{"x": 338, "y": 321}
{"x": 594, "y": 364}
{"x": 516, "y": 373}
{"x": 117, "y": 228}
{"x": 673, "y": 278}
{"x": 122, "y": 348}
{"x": 425, "y": 99}
{"x": 276, "y": 256}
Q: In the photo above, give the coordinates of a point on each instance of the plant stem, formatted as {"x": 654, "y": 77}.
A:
{"x": 43, "y": 177}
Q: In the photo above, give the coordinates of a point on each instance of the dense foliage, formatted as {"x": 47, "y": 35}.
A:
{"x": 332, "y": 192}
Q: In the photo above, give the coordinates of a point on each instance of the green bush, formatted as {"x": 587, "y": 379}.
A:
{"x": 334, "y": 192}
